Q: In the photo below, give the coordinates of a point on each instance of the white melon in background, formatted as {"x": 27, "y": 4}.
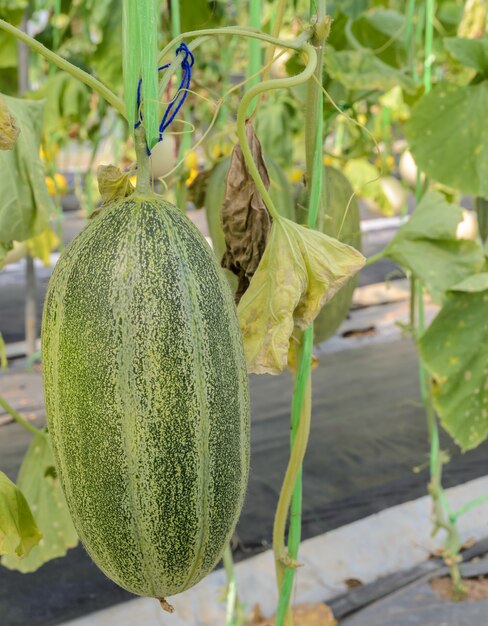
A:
{"x": 395, "y": 193}
{"x": 408, "y": 169}
{"x": 163, "y": 157}
{"x": 468, "y": 226}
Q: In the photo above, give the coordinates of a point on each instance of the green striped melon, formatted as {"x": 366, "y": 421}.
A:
{"x": 146, "y": 396}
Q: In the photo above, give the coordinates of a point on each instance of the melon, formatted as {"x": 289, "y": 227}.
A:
{"x": 146, "y": 396}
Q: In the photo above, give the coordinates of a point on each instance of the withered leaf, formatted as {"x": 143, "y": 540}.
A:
{"x": 113, "y": 184}
{"x": 245, "y": 219}
{"x": 301, "y": 269}
{"x": 9, "y": 131}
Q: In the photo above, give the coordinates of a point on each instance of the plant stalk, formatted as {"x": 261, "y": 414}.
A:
{"x": 143, "y": 185}
{"x": 267, "y": 85}
{"x": 443, "y": 518}
{"x": 232, "y": 598}
{"x": 286, "y": 562}
{"x": 74, "y": 71}
{"x": 254, "y": 49}
{"x": 18, "y": 417}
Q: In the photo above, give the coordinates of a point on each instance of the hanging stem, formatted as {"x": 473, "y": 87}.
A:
{"x": 241, "y": 31}
{"x": 18, "y": 417}
{"x": 241, "y": 120}
{"x": 74, "y": 71}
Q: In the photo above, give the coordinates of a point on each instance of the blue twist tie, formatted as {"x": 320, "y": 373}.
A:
{"x": 176, "y": 104}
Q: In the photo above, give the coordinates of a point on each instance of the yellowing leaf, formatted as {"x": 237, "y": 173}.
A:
{"x": 113, "y": 184}
{"x": 9, "y": 131}
{"x": 18, "y": 530}
{"x": 299, "y": 272}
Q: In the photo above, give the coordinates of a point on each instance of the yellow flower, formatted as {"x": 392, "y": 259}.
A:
{"x": 56, "y": 185}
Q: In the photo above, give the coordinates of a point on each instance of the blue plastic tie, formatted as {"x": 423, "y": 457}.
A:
{"x": 176, "y": 104}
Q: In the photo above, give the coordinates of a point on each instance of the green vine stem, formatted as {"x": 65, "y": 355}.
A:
{"x": 254, "y": 48}
{"x": 301, "y": 402}
{"x": 18, "y": 417}
{"x": 302, "y": 393}
{"x": 267, "y": 85}
{"x": 232, "y": 603}
{"x": 409, "y": 39}
{"x": 443, "y": 517}
{"x": 89, "y": 80}
{"x": 279, "y": 11}
{"x": 290, "y": 498}
{"x": 297, "y": 44}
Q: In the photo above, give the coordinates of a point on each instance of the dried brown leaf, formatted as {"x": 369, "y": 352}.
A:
{"x": 245, "y": 219}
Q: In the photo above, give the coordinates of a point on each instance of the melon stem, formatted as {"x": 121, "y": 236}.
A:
{"x": 143, "y": 186}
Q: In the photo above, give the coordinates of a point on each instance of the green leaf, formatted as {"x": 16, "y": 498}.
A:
{"x": 25, "y": 204}
{"x": 300, "y": 270}
{"x": 106, "y": 61}
{"x": 67, "y": 101}
{"x": 197, "y": 14}
{"x": 12, "y": 13}
{"x": 454, "y": 349}
{"x": 274, "y": 126}
{"x": 383, "y": 31}
{"x": 448, "y": 136}
{"x": 361, "y": 69}
{"x": 477, "y": 282}
{"x": 18, "y": 530}
{"x": 42, "y": 489}
{"x": 427, "y": 246}
{"x": 470, "y": 52}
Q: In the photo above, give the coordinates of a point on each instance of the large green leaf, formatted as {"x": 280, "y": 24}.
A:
{"x": 11, "y": 11}
{"x": 274, "y": 127}
{"x": 106, "y": 60}
{"x": 25, "y": 204}
{"x": 470, "y": 52}
{"x": 427, "y": 246}
{"x": 382, "y": 31}
{"x": 18, "y": 530}
{"x": 66, "y": 103}
{"x": 454, "y": 350}
{"x": 448, "y": 136}
{"x": 196, "y": 14}
{"x": 42, "y": 489}
{"x": 361, "y": 69}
